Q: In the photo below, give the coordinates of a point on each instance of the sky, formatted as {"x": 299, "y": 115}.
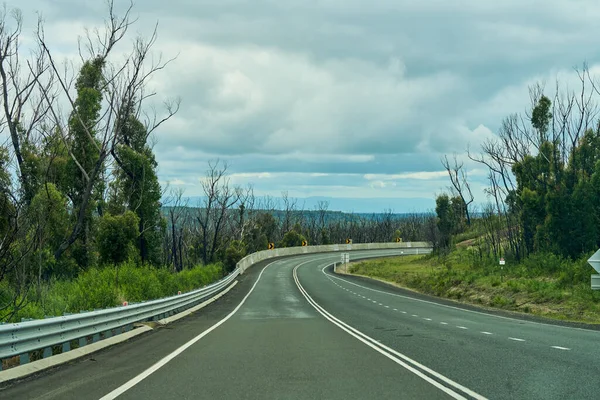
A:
{"x": 352, "y": 101}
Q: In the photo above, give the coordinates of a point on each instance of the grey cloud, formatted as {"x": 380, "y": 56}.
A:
{"x": 402, "y": 82}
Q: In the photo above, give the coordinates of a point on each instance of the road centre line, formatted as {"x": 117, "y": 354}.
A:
{"x": 390, "y": 353}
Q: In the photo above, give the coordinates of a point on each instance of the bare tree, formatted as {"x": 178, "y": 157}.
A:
{"x": 289, "y": 209}
{"x": 458, "y": 178}
{"x": 220, "y": 197}
{"x": 19, "y": 94}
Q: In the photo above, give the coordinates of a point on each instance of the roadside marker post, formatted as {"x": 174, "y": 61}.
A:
{"x": 594, "y": 261}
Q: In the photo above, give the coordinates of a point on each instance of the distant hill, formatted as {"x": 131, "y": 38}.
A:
{"x": 360, "y": 206}
{"x": 330, "y": 216}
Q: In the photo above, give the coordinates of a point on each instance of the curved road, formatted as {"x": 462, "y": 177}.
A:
{"x": 294, "y": 330}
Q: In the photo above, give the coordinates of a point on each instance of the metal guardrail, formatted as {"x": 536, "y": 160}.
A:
{"x": 19, "y": 339}
{"x": 253, "y": 258}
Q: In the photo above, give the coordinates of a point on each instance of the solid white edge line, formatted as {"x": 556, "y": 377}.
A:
{"x": 453, "y": 307}
{"x": 381, "y": 347}
{"x": 137, "y": 379}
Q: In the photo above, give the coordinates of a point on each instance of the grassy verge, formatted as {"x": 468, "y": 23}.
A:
{"x": 97, "y": 288}
{"x": 543, "y": 285}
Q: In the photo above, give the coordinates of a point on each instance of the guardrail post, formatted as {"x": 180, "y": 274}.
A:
{"x": 82, "y": 341}
{"x": 24, "y": 358}
{"x": 66, "y": 347}
{"x": 47, "y": 352}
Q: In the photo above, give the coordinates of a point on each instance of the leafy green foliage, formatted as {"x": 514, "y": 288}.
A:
{"x": 84, "y": 147}
{"x": 116, "y": 235}
{"x": 292, "y": 239}
{"x": 136, "y": 187}
{"x": 234, "y": 253}
{"x": 95, "y": 288}
{"x": 451, "y": 217}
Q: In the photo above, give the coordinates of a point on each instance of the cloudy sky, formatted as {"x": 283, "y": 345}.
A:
{"x": 351, "y": 100}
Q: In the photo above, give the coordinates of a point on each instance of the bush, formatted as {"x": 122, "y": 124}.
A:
{"x": 137, "y": 284}
{"x": 234, "y": 253}
{"x": 96, "y": 289}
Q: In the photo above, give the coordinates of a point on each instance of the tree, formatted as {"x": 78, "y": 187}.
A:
{"x": 211, "y": 216}
{"x": 85, "y": 150}
{"x": 292, "y": 239}
{"x": 541, "y": 116}
{"x": 458, "y": 178}
{"x": 116, "y": 236}
{"x": 104, "y": 90}
{"x": 18, "y": 89}
{"x": 234, "y": 253}
{"x": 49, "y": 215}
{"x": 136, "y": 185}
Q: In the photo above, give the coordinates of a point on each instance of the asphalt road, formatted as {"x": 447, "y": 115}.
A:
{"x": 294, "y": 330}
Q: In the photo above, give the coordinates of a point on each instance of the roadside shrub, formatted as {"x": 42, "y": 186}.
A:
{"x": 139, "y": 283}
{"x": 96, "y": 288}
{"x": 93, "y": 289}
{"x": 195, "y": 278}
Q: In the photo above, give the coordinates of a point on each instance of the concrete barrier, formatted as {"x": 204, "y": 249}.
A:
{"x": 253, "y": 258}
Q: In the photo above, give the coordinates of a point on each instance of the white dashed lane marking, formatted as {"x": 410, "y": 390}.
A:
{"x": 441, "y": 323}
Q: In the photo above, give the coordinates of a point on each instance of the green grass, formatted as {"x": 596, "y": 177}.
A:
{"x": 543, "y": 284}
{"x": 97, "y": 288}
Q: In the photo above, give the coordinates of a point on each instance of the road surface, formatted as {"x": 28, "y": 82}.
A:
{"x": 294, "y": 330}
